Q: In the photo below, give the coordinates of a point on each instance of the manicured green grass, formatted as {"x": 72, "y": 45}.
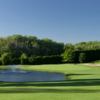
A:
{"x": 82, "y": 83}
{"x": 3, "y": 67}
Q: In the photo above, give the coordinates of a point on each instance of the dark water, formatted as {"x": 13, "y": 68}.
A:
{"x": 29, "y": 76}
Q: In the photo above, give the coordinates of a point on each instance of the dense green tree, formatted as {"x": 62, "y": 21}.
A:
{"x": 91, "y": 45}
{"x": 38, "y": 49}
{"x": 68, "y": 53}
{"x": 5, "y": 58}
{"x": 82, "y": 57}
{"x": 24, "y": 58}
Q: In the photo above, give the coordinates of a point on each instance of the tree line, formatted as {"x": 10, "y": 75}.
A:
{"x": 18, "y": 49}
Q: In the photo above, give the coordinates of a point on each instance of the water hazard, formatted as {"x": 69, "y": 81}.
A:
{"x": 16, "y": 75}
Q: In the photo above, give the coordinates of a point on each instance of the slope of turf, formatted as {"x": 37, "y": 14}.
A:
{"x": 82, "y": 83}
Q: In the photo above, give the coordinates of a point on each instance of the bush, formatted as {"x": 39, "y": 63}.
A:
{"x": 0, "y": 62}
{"x": 23, "y": 58}
{"x": 45, "y": 59}
{"x": 89, "y": 55}
{"x": 6, "y": 58}
{"x": 52, "y": 59}
{"x": 82, "y": 58}
{"x": 15, "y": 60}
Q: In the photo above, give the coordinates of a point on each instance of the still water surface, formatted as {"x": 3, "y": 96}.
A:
{"x": 16, "y": 75}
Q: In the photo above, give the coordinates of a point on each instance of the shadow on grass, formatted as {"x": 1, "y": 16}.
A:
{"x": 47, "y": 90}
{"x": 68, "y": 82}
{"x": 51, "y": 87}
{"x": 76, "y": 82}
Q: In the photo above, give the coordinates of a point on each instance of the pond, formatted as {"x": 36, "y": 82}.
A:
{"x": 14, "y": 74}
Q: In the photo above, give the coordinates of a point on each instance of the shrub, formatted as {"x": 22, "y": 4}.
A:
{"x": 0, "y": 60}
{"x": 82, "y": 57}
{"x": 5, "y": 58}
{"x": 23, "y": 58}
{"x": 45, "y": 59}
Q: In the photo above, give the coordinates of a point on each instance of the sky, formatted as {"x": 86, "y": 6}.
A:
{"x": 68, "y": 21}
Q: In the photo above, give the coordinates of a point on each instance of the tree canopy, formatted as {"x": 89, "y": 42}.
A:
{"x": 18, "y": 49}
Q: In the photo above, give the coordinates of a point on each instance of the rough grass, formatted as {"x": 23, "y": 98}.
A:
{"x": 97, "y": 62}
{"x": 82, "y": 83}
{"x": 2, "y": 67}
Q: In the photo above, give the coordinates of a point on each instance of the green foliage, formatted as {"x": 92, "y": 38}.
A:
{"x": 30, "y": 45}
{"x": 5, "y": 58}
{"x": 75, "y": 55}
{"x": 31, "y": 60}
{"x": 40, "y": 49}
{"x": 45, "y": 59}
{"x": 0, "y": 62}
{"x": 23, "y": 58}
{"x": 82, "y": 57}
{"x": 52, "y": 59}
{"x": 68, "y": 54}
{"x": 92, "y": 45}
